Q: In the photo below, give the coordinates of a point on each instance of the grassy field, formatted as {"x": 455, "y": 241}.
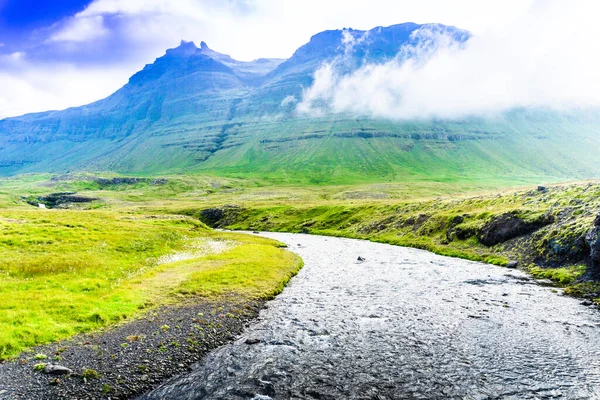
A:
{"x": 141, "y": 243}
{"x": 64, "y": 272}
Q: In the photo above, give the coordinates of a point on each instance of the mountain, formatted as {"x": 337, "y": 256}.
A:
{"x": 196, "y": 110}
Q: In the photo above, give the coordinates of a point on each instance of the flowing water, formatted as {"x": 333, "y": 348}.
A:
{"x": 403, "y": 324}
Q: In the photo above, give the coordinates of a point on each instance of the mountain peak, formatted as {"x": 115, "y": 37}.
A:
{"x": 207, "y": 51}
{"x": 184, "y": 49}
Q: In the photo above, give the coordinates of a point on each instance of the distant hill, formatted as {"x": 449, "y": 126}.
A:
{"x": 196, "y": 110}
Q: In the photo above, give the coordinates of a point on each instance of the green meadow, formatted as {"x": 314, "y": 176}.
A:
{"x": 64, "y": 272}
{"x": 141, "y": 243}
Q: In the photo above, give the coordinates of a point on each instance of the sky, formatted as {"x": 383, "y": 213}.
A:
{"x": 56, "y": 54}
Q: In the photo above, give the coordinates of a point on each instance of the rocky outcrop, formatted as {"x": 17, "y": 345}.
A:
{"x": 103, "y": 182}
{"x": 219, "y": 217}
{"x": 509, "y": 226}
{"x": 58, "y": 200}
{"x": 592, "y": 239}
{"x": 211, "y": 216}
{"x": 458, "y": 231}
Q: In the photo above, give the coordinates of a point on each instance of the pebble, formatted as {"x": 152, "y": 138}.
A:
{"x": 53, "y": 369}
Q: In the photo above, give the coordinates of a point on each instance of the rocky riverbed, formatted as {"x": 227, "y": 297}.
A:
{"x": 403, "y": 324}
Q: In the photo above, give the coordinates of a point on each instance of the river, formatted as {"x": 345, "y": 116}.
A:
{"x": 403, "y": 324}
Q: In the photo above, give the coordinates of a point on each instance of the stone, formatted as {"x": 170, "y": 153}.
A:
{"x": 211, "y": 216}
{"x": 508, "y": 226}
{"x": 592, "y": 238}
{"x": 512, "y": 264}
{"x": 360, "y": 258}
{"x": 542, "y": 189}
{"x": 54, "y": 369}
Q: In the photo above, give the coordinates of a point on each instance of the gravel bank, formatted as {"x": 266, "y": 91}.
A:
{"x": 132, "y": 358}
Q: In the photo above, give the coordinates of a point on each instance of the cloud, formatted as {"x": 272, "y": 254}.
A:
{"x": 288, "y": 100}
{"x": 81, "y": 29}
{"x": 26, "y": 88}
{"x": 546, "y": 58}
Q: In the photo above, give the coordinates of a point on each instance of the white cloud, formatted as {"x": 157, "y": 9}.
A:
{"x": 545, "y": 58}
{"x": 27, "y": 89}
{"x": 187, "y": 8}
{"x": 81, "y": 29}
{"x": 288, "y": 100}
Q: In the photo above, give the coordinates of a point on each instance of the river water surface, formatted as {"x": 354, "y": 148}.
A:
{"x": 403, "y": 324}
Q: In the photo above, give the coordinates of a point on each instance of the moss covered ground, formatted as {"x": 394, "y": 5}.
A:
{"x": 142, "y": 244}
{"x": 545, "y": 232}
{"x": 66, "y": 271}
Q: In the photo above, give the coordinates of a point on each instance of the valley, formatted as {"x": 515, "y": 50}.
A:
{"x": 147, "y": 239}
{"x": 139, "y": 256}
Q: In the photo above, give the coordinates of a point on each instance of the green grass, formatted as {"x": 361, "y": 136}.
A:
{"x": 447, "y": 225}
{"x": 75, "y": 270}
{"x": 64, "y": 272}
{"x": 249, "y": 270}
{"x": 562, "y": 276}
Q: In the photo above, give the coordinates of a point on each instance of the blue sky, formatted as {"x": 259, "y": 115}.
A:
{"x": 61, "y": 53}
{"x": 19, "y": 17}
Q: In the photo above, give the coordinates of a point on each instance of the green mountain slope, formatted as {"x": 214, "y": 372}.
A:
{"x": 196, "y": 110}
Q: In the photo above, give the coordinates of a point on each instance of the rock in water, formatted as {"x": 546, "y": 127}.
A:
{"x": 53, "y": 369}
{"x": 360, "y": 258}
{"x": 512, "y": 264}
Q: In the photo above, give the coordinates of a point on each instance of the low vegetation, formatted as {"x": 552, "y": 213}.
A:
{"x": 64, "y": 272}
{"x": 539, "y": 229}
{"x": 140, "y": 242}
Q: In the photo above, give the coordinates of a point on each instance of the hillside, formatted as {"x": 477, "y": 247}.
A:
{"x": 197, "y": 110}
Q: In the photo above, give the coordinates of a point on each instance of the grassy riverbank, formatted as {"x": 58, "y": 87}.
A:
{"x": 541, "y": 230}
{"x": 65, "y": 272}
{"x": 138, "y": 243}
